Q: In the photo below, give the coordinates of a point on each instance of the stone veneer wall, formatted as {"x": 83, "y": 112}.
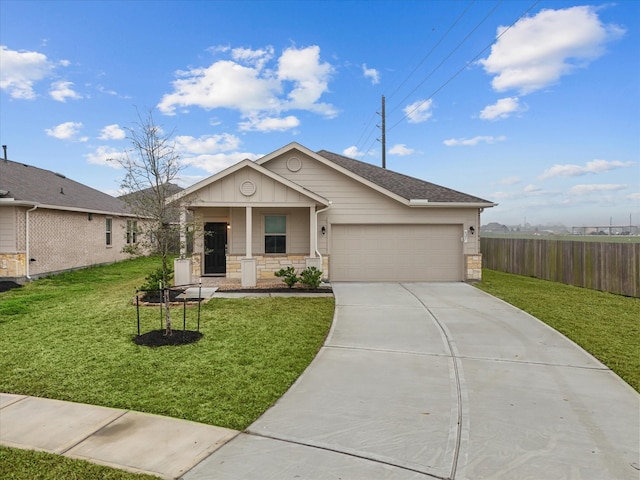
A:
{"x": 267, "y": 265}
{"x": 473, "y": 267}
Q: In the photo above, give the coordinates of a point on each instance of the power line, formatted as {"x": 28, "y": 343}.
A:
{"x": 442, "y": 38}
{"x": 424, "y": 59}
{"x": 464, "y": 67}
{"x": 466, "y": 37}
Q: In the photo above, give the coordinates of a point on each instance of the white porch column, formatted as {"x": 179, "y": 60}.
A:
{"x": 249, "y": 233}
{"x": 183, "y": 232}
{"x": 248, "y": 264}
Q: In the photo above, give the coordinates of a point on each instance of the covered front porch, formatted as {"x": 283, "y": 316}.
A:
{"x": 249, "y": 244}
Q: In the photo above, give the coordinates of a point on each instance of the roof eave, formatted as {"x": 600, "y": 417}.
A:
{"x": 422, "y": 203}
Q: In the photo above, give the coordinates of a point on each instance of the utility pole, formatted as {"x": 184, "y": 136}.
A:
{"x": 383, "y": 138}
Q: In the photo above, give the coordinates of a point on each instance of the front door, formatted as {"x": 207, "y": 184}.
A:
{"x": 215, "y": 246}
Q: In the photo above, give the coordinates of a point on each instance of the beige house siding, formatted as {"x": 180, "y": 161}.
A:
{"x": 355, "y": 203}
{"x": 7, "y": 229}
{"x": 237, "y": 187}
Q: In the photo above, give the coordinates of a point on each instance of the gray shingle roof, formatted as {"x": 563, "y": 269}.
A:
{"x": 402, "y": 185}
{"x": 33, "y": 184}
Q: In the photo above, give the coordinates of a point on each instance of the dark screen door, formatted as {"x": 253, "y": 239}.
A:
{"x": 215, "y": 245}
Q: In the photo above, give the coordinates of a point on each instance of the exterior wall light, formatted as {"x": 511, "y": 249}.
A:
{"x": 323, "y": 230}
{"x": 472, "y": 230}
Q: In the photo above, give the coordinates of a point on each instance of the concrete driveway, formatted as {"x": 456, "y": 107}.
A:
{"x": 442, "y": 381}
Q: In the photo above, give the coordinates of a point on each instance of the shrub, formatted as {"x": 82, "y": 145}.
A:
{"x": 311, "y": 277}
{"x": 154, "y": 279}
{"x": 288, "y": 276}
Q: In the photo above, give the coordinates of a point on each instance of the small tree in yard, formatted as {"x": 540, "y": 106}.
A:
{"x": 151, "y": 165}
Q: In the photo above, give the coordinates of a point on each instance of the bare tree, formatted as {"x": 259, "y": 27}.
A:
{"x": 151, "y": 165}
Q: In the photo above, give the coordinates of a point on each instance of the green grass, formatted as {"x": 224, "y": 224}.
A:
{"x": 69, "y": 337}
{"x": 18, "y": 464}
{"x": 604, "y": 324}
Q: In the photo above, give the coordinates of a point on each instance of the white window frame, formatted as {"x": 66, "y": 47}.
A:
{"x": 108, "y": 226}
{"x": 285, "y": 234}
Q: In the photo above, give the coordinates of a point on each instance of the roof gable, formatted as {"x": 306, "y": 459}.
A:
{"x": 34, "y": 185}
{"x": 409, "y": 188}
{"x": 403, "y": 188}
{"x": 220, "y": 176}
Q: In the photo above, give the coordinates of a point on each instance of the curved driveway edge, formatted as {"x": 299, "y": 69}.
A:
{"x": 435, "y": 380}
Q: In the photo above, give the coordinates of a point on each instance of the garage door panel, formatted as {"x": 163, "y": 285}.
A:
{"x": 396, "y": 253}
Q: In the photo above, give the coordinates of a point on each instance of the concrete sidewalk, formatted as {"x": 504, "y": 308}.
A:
{"x": 137, "y": 442}
{"x": 415, "y": 381}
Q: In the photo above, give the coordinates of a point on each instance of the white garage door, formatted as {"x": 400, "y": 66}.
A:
{"x": 396, "y": 253}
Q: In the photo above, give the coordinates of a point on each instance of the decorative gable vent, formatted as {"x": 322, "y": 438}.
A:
{"x": 247, "y": 188}
{"x": 294, "y": 164}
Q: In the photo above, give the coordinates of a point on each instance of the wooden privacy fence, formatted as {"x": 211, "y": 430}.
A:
{"x": 610, "y": 267}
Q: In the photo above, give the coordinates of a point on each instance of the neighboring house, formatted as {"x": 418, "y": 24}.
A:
{"x": 353, "y": 220}
{"x": 50, "y": 224}
{"x": 144, "y": 204}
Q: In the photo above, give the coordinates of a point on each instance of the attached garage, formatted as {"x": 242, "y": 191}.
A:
{"x": 411, "y": 253}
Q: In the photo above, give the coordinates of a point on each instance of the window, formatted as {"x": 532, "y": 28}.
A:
{"x": 132, "y": 231}
{"x": 275, "y": 234}
{"x": 108, "y": 231}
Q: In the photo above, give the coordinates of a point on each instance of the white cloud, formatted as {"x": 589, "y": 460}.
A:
{"x": 596, "y": 188}
{"x": 105, "y": 156}
{"x": 372, "y": 74}
{"x": 503, "y": 108}
{"x": 401, "y": 150}
{"x": 419, "y": 111}
{"x": 269, "y": 124}
{"x": 538, "y": 50}
{"x": 62, "y": 90}
{"x": 211, "y": 153}
{"x": 594, "y": 166}
{"x": 634, "y": 196}
{"x": 206, "y": 144}
{"x": 510, "y": 181}
{"x": 258, "y": 58}
{"x": 472, "y": 142}
{"x": 310, "y": 79}
{"x": 352, "y": 152}
{"x": 19, "y": 71}
{"x": 214, "y": 163}
{"x": 532, "y": 189}
{"x": 245, "y": 84}
{"x": 66, "y": 131}
{"x": 112, "y": 132}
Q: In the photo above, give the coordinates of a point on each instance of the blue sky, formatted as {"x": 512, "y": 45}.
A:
{"x": 533, "y": 105}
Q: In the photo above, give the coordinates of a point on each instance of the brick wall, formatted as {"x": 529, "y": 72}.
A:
{"x": 61, "y": 240}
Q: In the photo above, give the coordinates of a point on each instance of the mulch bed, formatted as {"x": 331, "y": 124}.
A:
{"x": 6, "y": 286}
{"x": 157, "y": 338}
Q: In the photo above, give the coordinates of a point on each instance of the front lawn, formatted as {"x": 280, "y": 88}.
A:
{"x": 604, "y": 324}
{"x": 16, "y": 464}
{"x": 69, "y": 337}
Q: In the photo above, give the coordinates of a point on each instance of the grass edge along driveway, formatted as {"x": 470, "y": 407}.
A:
{"x": 604, "y": 324}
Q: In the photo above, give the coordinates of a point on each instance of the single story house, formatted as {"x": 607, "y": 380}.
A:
{"x": 353, "y": 220}
{"x": 50, "y": 224}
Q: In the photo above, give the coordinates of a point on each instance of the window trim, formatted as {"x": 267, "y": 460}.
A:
{"x": 108, "y": 226}
{"x": 132, "y": 232}
{"x": 283, "y": 235}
